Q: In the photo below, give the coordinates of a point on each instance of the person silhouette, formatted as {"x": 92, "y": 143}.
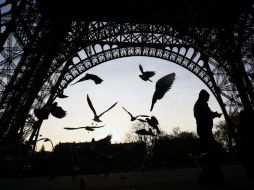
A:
{"x": 211, "y": 172}
{"x": 246, "y": 132}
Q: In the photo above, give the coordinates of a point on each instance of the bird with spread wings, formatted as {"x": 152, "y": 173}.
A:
{"x": 133, "y": 118}
{"x": 88, "y": 76}
{"x": 162, "y": 86}
{"x": 88, "y": 128}
{"x": 146, "y": 75}
{"x": 96, "y": 116}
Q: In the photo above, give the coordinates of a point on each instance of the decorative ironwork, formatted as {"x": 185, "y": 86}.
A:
{"x": 39, "y": 47}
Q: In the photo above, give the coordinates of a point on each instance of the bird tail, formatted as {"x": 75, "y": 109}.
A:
{"x": 153, "y": 102}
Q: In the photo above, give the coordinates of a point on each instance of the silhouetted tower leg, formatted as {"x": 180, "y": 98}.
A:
{"x": 28, "y": 85}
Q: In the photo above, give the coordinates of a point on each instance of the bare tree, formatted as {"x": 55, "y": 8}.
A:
{"x": 221, "y": 135}
{"x": 133, "y": 137}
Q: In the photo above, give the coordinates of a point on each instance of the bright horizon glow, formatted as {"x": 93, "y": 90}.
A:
{"x": 122, "y": 84}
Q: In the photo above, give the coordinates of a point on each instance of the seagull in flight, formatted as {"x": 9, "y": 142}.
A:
{"x": 132, "y": 117}
{"x": 88, "y": 76}
{"x": 88, "y": 128}
{"x": 162, "y": 86}
{"x": 97, "y": 117}
{"x": 146, "y": 75}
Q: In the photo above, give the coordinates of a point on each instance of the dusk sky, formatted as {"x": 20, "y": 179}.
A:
{"x": 122, "y": 84}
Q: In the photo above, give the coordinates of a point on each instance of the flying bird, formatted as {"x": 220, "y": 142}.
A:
{"x": 88, "y": 76}
{"x": 57, "y": 111}
{"x": 153, "y": 122}
{"x": 88, "y": 128}
{"x": 146, "y": 75}
{"x": 145, "y": 132}
{"x": 133, "y": 118}
{"x": 97, "y": 117}
{"x": 53, "y": 109}
{"x": 162, "y": 86}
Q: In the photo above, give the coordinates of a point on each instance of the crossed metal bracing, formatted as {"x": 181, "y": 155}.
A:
{"x": 206, "y": 52}
{"x": 184, "y": 56}
{"x": 122, "y": 40}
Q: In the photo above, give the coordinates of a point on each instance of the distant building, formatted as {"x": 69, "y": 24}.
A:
{"x": 98, "y": 156}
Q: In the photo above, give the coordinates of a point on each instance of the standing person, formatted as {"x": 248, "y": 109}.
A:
{"x": 211, "y": 172}
{"x": 246, "y": 132}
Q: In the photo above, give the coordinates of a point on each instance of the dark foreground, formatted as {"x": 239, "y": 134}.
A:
{"x": 159, "y": 180}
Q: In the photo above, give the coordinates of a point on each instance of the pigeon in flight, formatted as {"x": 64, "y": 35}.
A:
{"x": 162, "y": 86}
{"x": 97, "y": 117}
{"x": 88, "y": 76}
{"x": 153, "y": 122}
{"x": 145, "y": 132}
{"x": 132, "y": 117}
{"x": 146, "y": 75}
{"x": 53, "y": 109}
{"x": 88, "y": 128}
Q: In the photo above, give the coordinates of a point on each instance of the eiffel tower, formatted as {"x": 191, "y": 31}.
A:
{"x": 45, "y": 46}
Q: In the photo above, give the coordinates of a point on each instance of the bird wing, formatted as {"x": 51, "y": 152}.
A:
{"x": 141, "y": 68}
{"x": 96, "y": 126}
{"x": 162, "y": 86}
{"x": 88, "y": 128}
{"x": 91, "y": 105}
{"x": 57, "y": 111}
{"x": 142, "y": 116}
{"x": 108, "y": 109}
{"x": 95, "y": 78}
{"x": 149, "y": 74}
{"x": 73, "y": 128}
{"x": 154, "y": 100}
{"x": 127, "y": 111}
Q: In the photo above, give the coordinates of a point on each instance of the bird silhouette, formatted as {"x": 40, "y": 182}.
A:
{"x": 53, "y": 109}
{"x": 57, "y": 111}
{"x": 146, "y": 75}
{"x": 88, "y": 76}
{"x": 88, "y": 128}
{"x": 145, "y": 132}
{"x": 153, "y": 122}
{"x": 133, "y": 118}
{"x": 162, "y": 86}
{"x": 97, "y": 117}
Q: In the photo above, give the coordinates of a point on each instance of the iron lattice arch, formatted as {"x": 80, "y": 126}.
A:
{"x": 184, "y": 56}
{"x": 107, "y": 41}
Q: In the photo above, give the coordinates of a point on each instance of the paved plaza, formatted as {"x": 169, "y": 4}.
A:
{"x": 147, "y": 180}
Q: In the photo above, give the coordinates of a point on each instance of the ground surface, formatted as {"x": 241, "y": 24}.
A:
{"x": 158, "y": 180}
